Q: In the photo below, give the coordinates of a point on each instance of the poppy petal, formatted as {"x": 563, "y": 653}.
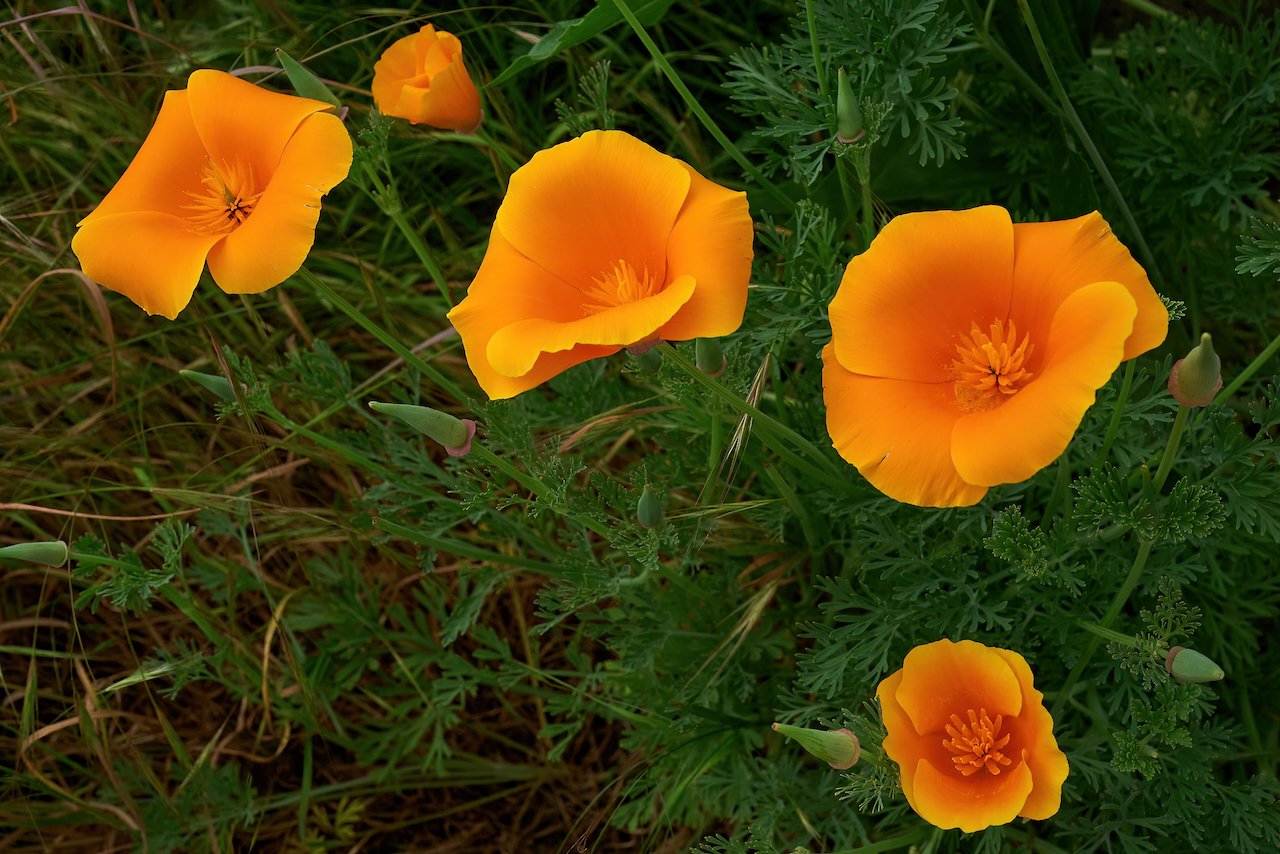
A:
{"x": 948, "y": 800}
{"x": 710, "y": 241}
{"x": 448, "y": 99}
{"x": 942, "y": 679}
{"x": 1054, "y": 259}
{"x": 152, "y": 258}
{"x": 897, "y": 433}
{"x": 927, "y": 278}
{"x": 1047, "y": 762}
{"x": 1032, "y": 428}
{"x": 166, "y": 168}
{"x": 513, "y": 350}
{"x": 581, "y": 207}
{"x": 509, "y": 288}
{"x": 243, "y": 123}
{"x": 272, "y": 243}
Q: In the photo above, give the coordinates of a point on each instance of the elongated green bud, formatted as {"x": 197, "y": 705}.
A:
{"x": 838, "y": 748}
{"x": 848, "y": 115}
{"x": 649, "y": 510}
{"x": 46, "y": 554}
{"x": 649, "y": 361}
{"x": 1187, "y": 665}
{"x": 220, "y": 386}
{"x": 304, "y": 82}
{"x": 1196, "y": 379}
{"x": 455, "y": 434}
{"x": 709, "y": 357}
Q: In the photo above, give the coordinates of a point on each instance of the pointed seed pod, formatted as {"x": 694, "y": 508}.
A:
{"x": 220, "y": 386}
{"x": 838, "y": 748}
{"x": 649, "y": 510}
{"x": 1187, "y": 665}
{"x": 303, "y": 81}
{"x": 1196, "y": 379}
{"x": 46, "y": 554}
{"x": 849, "y": 127}
{"x": 455, "y": 434}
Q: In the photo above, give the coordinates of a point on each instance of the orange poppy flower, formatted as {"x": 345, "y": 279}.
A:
{"x": 966, "y": 349}
{"x": 602, "y": 243}
{"x": 230, "y": 173}
{"x": 971, "y": 736}
{"x": 422, "y": 78}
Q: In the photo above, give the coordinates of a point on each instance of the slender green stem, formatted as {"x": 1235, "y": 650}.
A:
{"x": 691, "y": 102}
{"x": 846, "y": 192}
{"x": 1171, "y": 448}
{"x": 1117, "y": 413}
{"x": 1152, "y": 9}
{"x": 1135, "y": 571}
{"x": 819, "y": 71}
{"x": 534, "y": 485}
{"x": 862, "y": 164}
{"x": 388, "y": 201}
{"x": 1113, "y": 611}
{"x": 1069, "y": 112}
{"x": 782, "y": 437}
{"x": 481, "y": 139}
{"x": 1108, "y": 634}
{"x": 1250, "y": 369}
{"x": 410, "y": 358}
{"x": 893, "y": 843}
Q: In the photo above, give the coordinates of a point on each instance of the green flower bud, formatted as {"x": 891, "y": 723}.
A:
{"x": 220, "y": 386}
{"x": 649, "y": 361}
{"x": 709, "y": 357}
{"x": 848, "y": 115}
{"x": 304, "y": 82}
{"x": 1196, "y": 379}
{"x": 1187, "y": 665}
{"x": 455, "y": 434}
{"x": 46, "y": 554}
{"x": 838, "y": 748}
{"x": 649, "y": 510}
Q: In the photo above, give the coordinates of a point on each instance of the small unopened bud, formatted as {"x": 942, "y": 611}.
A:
{"x": 220, "y": 386}
{"x": 1196, "y": 379}
{"x": 848, "y": 115}
{"x": 304, "y": 82}
{"x": 46, "y": 554}
{"x": 455, "y": 434}
{"x": 1187, "y": 665}
{"x": 709, "y": 357}
{"x": 649, "y": 361}
{"x": 649, "y": 510}
{"x": 838, "y": 748}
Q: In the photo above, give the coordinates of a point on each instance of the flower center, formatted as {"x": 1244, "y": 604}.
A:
{"x": 977, "y": 744}
{"x": 989, "y": 368}
{"x": 226, "y": 198}
{"x": 621, "y": 285}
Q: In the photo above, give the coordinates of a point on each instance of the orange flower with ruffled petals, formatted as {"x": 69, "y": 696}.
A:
{"x": 966, "y": 349}
{"x": 230, "y": 173}
{"x": 422, "y": 78}
{"x": 602, "y": 243}
{"x": 971, "y": 736}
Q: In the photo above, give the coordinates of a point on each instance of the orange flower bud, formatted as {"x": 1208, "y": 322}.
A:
{"x": 1195, "y": 380}
{"x": 422, "y": 78}
{"x": 971, "y": 736}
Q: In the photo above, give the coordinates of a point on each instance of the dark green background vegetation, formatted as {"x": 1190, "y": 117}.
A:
{"x": 292, "y": 625}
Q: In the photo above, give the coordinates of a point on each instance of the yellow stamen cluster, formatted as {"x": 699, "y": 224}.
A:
{"x": 990, "y": 367}
{"x": 621, "y": 285}
{"x": 977, "y": 744}
{"x": 227, "y": 199}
